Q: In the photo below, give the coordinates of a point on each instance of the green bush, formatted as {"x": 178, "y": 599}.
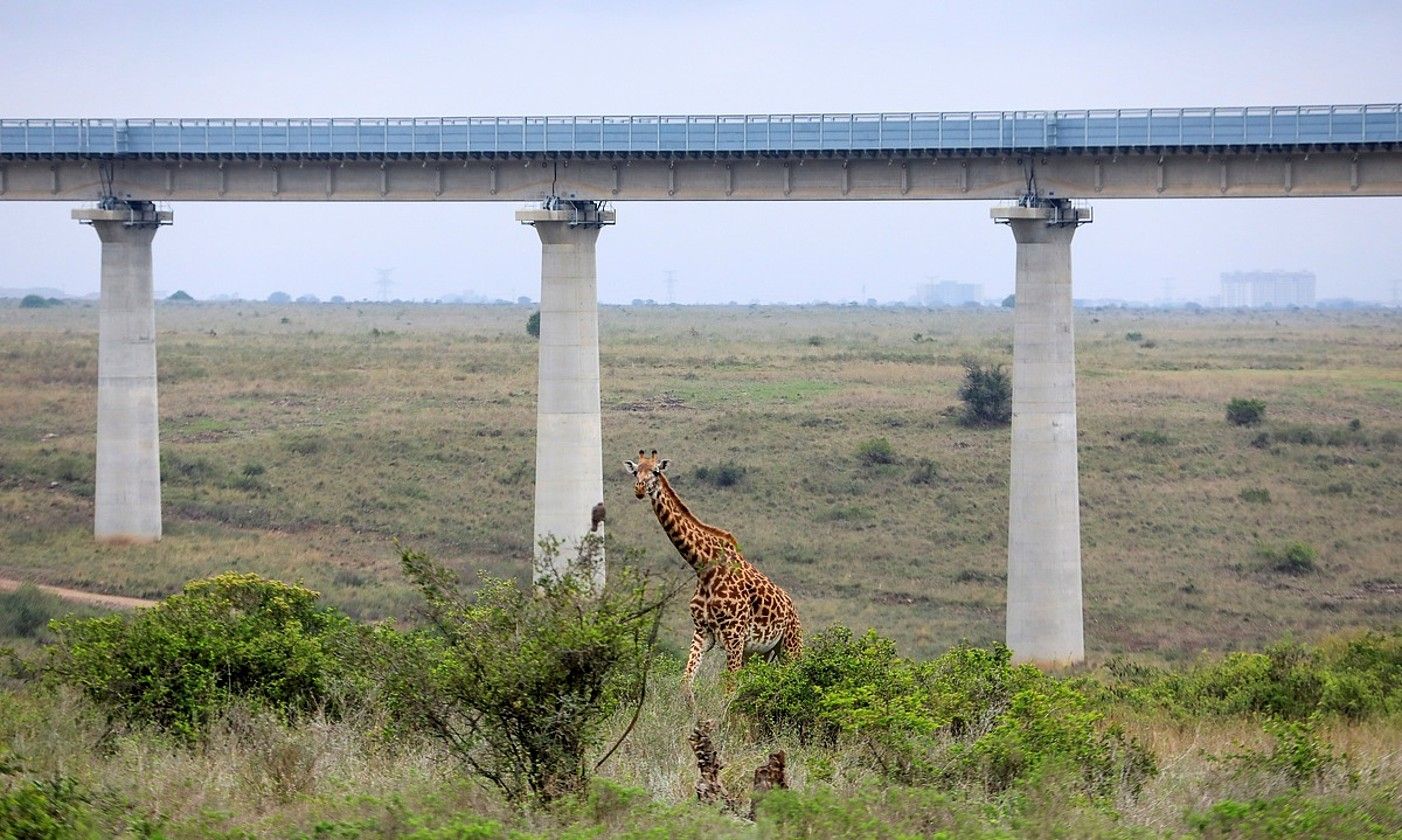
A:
{"x": 1295, "y": 815}
{"x": 969, "y": 717}
{"x": 38, "y": 302}
{"x": 876, "y": 451}
{"x": 1354, "y": 677}
{"x": 1294, "y": 558}
{"x": 727, "y": 474}
{"x": 533, "y": 325}
{"x": 987, "y": 393}
{"x": 1246, "y": 412}
{"x": 1255, "y": 495}
{"x": 53, "y": 809}
{"x": 520, "y": 686}
{"x": 234, "y": 637}
{"x": 1297, "y": 755}
{"x": 788, "y": 698}
{"x": 1134, "y": 336}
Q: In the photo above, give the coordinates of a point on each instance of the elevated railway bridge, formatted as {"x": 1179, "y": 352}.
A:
{"x": 1044, "y": 164}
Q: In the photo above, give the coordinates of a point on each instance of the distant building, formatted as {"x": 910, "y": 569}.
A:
{"x": 1267, "y": 289}
{"x": 947, "y": 293}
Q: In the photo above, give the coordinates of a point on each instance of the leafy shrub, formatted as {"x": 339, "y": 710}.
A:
{"x": 533, "y": 325}
{"x": 520, "y": 686}
{"x": 727, "y": 474}
{"x": 38, "y": 302}
{"x": 1294, "y": 558}
{"x": 876, "y": 451}
{"x": 783, "y": 698}
{"x": 1298, "y": 756}
{"x": 816, "y": 341}
{"x": 52, "y": 808}
{"x": 1246, "y": 412}
{"x": 969, "y": 717}
{"x": 987, "y": 393}
{"x": 232, "y": 637}
{"x": 1255, "y": 495}
{"x": 1354, "y": 677}
{"x": 1295, "y": 815}
{"x": 1134, "y": 336}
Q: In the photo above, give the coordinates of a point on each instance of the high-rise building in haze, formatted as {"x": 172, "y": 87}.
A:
{"x": 1267, "y": 289}
{"x": 947, "y": 293}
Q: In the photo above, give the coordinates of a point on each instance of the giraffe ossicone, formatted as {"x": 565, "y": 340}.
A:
{"x": 734, "y": 604}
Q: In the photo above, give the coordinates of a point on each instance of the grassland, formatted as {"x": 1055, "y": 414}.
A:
{"x": 300, "y": 441}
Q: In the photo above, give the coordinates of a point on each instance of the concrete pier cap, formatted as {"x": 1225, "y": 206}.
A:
{"x": 569, "y": 481}
{"x": 127, "y": 497}
{"x": 1045, "y": 621}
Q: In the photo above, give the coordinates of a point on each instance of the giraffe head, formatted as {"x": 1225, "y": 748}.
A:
{"x": 647, "y": 472}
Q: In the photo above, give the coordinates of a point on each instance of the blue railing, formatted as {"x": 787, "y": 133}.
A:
{"x": 767, "y": 133}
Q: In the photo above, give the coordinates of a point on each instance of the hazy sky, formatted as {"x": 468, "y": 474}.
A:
{"x": 106, "y": 59}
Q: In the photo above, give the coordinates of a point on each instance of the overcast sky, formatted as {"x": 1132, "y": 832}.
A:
{"x": 106, "y": 59}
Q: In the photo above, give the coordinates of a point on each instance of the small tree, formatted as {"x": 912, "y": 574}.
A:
{"x": 180, "y": 296}
{"x": 519, "y": 686}
{"x": 1009, "y": 302}
{"x": 987, "y": 393}
{"x": 1245, "y": 412}
{"x": 279, "y": 297}
{"x": 533, "y": 325}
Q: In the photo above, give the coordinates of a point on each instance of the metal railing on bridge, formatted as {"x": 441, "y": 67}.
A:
{"x": 1279, "y": 126}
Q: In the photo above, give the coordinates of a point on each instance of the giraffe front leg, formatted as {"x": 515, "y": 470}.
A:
{"x": 698, "y": 647}
{"x": 733, "y": 637}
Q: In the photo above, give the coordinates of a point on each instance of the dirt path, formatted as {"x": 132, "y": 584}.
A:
{"x": 119, "y": 602}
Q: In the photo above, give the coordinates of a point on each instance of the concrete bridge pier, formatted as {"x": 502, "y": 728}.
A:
{"x": 1044, "y": 618}
{"x": 569, "y": 478}
{"x": 128, "y": 493}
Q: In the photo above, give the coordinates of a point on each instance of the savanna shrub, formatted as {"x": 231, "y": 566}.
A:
{"x": 1298, "y": 755}
{"x": 1354, "y": 677}
{"x": 1293, "y": 558}
{"x": 969, "y": 717}
{"x": 53, "y": 808}
{"x": 876, "y": 451}
{"x": 520, "y": 685}
{"x": 533, "y": 325}
{"x": 987, "y": 393}
{"x": 727, "y": 474}
{"x": 234, "y": 637}
{"x": 779, "y": 698}
{"x": 1246, "y": 412}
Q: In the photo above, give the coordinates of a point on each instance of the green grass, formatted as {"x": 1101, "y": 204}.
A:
{"x": 373, "y": 422}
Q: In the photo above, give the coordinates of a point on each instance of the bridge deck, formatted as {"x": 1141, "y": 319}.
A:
{"x": 1276, "y": 128}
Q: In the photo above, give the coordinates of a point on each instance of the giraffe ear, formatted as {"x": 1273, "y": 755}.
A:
{"x": 631, "y": 467}
{"x": 662, "y": 467}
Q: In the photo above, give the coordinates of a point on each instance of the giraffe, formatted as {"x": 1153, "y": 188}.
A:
{"x": 734, "y": 604}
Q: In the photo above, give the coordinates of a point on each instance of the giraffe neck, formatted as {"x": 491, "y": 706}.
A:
{"x": 694, "y": 539}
